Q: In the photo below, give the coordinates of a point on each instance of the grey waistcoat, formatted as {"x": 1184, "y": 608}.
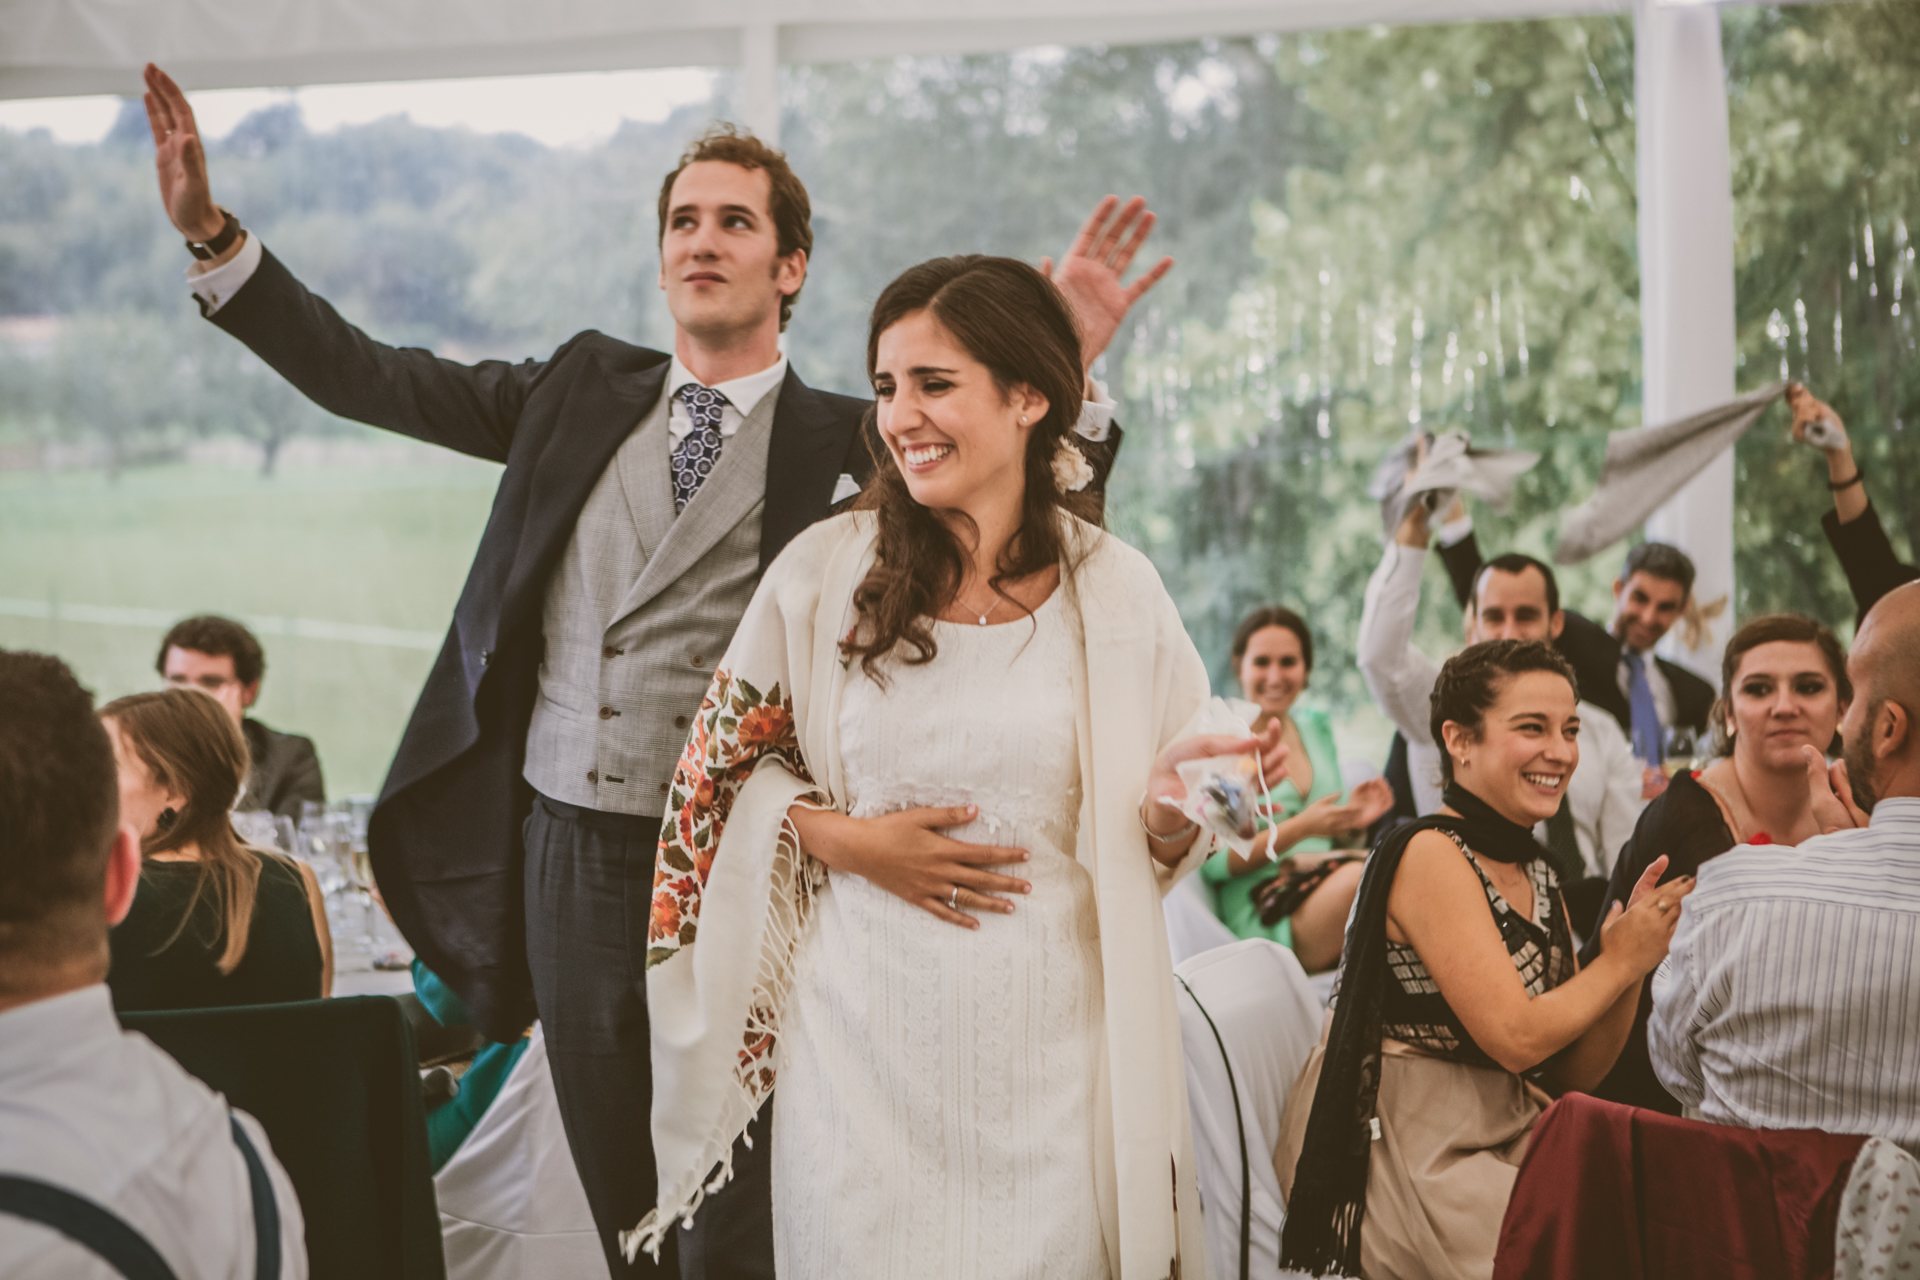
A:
{"x": 639, "y": 611}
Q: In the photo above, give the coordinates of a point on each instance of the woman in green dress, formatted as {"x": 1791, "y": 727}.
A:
{"x": 1273, "y": 658}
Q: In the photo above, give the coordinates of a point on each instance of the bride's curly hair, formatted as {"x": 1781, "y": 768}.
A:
{"x": 1013, "y": 320}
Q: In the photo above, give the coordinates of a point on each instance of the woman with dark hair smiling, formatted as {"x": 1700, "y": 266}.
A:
{"x": 1783, "y": 691}
{"x": 919, "y": 839}
{"x": 1460, "y": 999}
{"x": 1291, "y": 886}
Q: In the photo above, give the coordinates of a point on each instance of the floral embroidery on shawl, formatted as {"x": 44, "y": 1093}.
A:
{"x": 736, "y": 728}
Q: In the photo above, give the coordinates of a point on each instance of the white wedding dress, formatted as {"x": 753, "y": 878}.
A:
{"x": 934, "y": 1114}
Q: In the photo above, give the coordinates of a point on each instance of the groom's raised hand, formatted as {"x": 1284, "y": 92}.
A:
{"x": 1090, "y": 273}
{"x": 181, "y": 160}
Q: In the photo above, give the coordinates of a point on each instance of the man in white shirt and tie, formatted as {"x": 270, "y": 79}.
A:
{"x": 1790, "y": 997}
{"x": 108, "y": 1149}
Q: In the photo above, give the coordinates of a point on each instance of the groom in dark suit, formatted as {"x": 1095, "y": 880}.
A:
{"x": 644, "y": 494}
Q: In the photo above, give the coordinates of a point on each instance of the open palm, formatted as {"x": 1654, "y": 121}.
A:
{"x": 180, "y": 159}
{"x": 1090, "y": 274}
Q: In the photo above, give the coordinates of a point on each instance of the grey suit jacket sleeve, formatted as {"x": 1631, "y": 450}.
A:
{"x": 470, "y": 408}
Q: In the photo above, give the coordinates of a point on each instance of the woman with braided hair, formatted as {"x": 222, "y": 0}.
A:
{"x": 1461, "y": 1006}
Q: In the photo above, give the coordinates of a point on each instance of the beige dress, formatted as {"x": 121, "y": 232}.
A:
{"x": 1452, "y": 1131}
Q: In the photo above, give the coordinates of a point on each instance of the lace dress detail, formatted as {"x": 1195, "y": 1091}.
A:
{"x": 1412, "y": 1008}
{"x": 935, "y": 1111}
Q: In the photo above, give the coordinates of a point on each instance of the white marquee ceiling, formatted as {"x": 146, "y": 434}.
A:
{"x": 53, "y": 48}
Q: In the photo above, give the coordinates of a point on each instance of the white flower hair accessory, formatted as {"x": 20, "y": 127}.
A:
{"x": 1071, "y": 471}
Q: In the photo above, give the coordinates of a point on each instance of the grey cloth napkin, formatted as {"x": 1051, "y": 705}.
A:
{"x": 1453, "y": 464}
{"x": 1647, "y": 465}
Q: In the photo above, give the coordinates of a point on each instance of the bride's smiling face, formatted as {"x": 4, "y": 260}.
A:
{"x": 953, "y": 432}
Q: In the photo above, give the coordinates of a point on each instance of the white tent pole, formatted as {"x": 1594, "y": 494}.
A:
{"x": 760, "y": 80}
{"x": 1686, "y": 285}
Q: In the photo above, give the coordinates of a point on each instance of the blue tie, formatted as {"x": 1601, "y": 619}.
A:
{"x": 1646, "y": 719}
{"x": 695, "y": 453}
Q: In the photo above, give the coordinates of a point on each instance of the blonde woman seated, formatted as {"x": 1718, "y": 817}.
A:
{"x": 908, "y": 863}
{"x": 1460, "y": 1006}
{"x": 1291, "y": 886}
{"x": 214, "y": 922}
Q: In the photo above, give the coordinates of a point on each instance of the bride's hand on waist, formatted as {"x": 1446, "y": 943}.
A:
{"x": 905, "y": 854}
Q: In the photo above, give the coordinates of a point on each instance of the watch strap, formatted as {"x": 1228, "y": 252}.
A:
{"x": 220, "y": 243}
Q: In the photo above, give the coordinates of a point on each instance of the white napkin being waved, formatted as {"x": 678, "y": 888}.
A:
{"x": 1453, "y": 466}
{"x": 1647, "y": 465}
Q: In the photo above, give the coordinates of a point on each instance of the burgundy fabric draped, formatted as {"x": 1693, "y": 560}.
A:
{"x": 1620, "y": 1193}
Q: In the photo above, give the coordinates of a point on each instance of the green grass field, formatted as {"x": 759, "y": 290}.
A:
{"x": 368, "y": 546}
{"x": 95, "y": 570}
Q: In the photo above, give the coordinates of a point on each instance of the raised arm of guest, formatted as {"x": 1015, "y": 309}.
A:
{"x": 1398, "y": 675}
{"x": 1853, "y": 528}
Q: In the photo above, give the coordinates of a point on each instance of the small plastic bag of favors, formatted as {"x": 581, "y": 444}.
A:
{"x": 1224, "y": 792}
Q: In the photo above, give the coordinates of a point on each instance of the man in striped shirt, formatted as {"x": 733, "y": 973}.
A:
{"x": 1790, "y": 998}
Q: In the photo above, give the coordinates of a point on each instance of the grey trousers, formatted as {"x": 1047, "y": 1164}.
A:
{"x": 589, "y": 892}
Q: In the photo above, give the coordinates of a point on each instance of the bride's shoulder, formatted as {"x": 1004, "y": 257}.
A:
{"x": 1103, "y": 561}
{"x": 816, "y": 545}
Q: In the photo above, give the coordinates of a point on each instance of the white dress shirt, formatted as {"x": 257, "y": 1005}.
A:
{"x": 216, "y": 287}
{"x": 103, "y": 1113}
{"x": 1790, "y": 997}
{"x": 743, "y": 397}
{"x": 1603, "y": 796}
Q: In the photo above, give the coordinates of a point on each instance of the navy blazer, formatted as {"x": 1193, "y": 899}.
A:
{"x": 446, "y": 834}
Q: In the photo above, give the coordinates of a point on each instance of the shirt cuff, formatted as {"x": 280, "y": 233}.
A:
{"x": 216, "y": 287}
{"x": 1096, "y": 413}
{"x": 1454, "y": 532}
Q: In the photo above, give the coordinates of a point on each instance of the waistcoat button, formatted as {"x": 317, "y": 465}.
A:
{"x": 608, "y": 713}
{"x": 663, "y": 788}
{"x": 679, "y": 722}
{"x": 593, "y": 776}
{"x": 608, "y": 651}
{"x": 699, "y": 661}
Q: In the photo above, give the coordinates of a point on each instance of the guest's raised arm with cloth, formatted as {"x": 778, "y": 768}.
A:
{"x": 916, "y": 848}
{"x": 1461, "y": 1006}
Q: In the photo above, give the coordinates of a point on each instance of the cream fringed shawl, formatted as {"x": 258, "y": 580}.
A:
{"x": 733, "y": 890}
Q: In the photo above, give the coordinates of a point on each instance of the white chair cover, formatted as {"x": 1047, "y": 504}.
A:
{"x": 511, "y": 1205}
{"x": 1268, "y": 1017}
{"x": 1879, "y": 1230}
{"x": 1192, "y": 927}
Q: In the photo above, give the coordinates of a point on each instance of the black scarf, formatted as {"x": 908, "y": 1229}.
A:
{"x": 1329, "y": 1201}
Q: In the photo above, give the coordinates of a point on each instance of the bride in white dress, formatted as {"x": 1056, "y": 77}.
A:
{"x": 912, "y": 871}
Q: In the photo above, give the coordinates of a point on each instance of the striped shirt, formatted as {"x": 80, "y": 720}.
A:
{"x": 1790, "y": 998}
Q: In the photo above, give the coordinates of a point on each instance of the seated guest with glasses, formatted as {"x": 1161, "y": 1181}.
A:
{"x": 1783, "y": 690}
{"x": 215, "y": 922}
{"x": 102, "y": 1134}
{"x": 1791, "y": 999}
{"x": 1291, "y": 886}
{"x": 223, "y": 658}
{"x": 1460, "y": 999}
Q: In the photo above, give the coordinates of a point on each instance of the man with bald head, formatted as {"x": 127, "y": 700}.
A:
{"x": 1790, "y": 998}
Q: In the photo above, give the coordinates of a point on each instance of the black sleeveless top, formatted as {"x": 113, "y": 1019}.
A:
{"x": 1413, "y": 1010}
{"x": 282, "y": 961}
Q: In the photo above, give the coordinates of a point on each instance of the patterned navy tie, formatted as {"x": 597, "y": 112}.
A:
{"x": 695, "y": 453}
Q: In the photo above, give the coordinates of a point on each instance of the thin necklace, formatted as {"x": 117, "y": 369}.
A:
{"x": 983, "y": 617}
